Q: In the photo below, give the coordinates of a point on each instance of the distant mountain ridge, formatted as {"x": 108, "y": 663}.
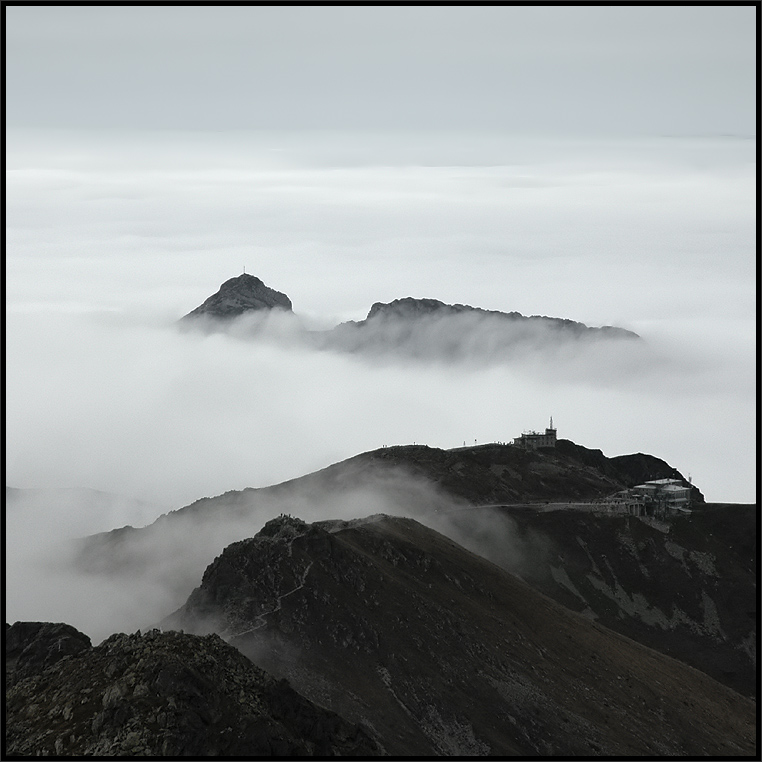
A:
{"x": 397, "y": 322}
{"x": 413, "y": 478}
{"x": 409, "y": 308}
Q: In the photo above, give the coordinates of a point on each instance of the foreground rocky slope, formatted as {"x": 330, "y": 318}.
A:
{"x": 438, "y": 651}
{"x": 164, "y": 694}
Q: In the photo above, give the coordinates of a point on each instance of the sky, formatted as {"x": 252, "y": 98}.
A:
{"x": 597, "y": 164}
{"x": 559, "y": 70}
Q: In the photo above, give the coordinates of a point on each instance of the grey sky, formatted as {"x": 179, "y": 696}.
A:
{"x": 623, "y": 70}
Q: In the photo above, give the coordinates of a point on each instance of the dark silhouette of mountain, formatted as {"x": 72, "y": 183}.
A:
{"x": 161, "y": 694}
{"x": 238, "y": 296}
{"x": 496, "y": 618}
{"x": 438, "y": 651}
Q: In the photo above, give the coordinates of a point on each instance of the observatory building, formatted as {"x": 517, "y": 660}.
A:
{"x": 531, "y": 440}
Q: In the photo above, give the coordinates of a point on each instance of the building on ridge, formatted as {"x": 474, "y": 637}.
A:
{"x": 531, "y": 440}
{"x": 664, "y": 494}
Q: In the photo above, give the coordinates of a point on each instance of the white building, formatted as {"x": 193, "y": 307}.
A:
{"x": 664, "y": 494}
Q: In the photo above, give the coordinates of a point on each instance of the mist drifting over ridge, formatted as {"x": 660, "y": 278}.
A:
{"x": 113, "y": 238}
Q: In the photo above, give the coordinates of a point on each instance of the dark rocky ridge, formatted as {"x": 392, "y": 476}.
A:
{"x": 411, "y": 480}
{"x": 30, "y": 647}
{"x": 410, "y": 308}
{"x": 166, "y": 694}
{"x": 441, "y": 652}
{"x": 238, "y": 296}
{"x": 496, "y": 473}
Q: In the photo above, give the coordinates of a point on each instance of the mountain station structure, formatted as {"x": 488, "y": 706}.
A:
{"x": 531, "y": 440}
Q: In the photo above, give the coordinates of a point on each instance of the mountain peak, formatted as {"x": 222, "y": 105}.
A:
{"x": 239, "y": 295}
{"x": 410, "y": 308}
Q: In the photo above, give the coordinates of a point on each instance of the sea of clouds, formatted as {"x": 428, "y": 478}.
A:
{"x": 112, "y": 237}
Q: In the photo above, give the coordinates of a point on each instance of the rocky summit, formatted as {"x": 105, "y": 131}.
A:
{"x": 439, "y": 652}
{"x": 429, "y": 327}
{"x": 165, "y": 694}
{"x": 238, "y": 296}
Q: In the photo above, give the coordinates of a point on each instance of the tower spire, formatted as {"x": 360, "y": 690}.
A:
{"x": 551, "y": 421}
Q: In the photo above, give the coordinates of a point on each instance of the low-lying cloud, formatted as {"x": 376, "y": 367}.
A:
{"x": 111, "y": 241}
{"x": 132, "y": 578}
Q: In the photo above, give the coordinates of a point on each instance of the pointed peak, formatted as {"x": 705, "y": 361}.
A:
{"x": 239, "y": 295}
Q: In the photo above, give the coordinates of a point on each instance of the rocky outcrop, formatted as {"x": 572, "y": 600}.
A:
{"x": 441, "y": 652}
{"x": 169, "y": 694}
{"x": 238, "y": 296}
{"x": 30, "y": 647}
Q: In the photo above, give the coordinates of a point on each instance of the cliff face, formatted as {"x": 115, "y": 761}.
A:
{"x": 167, "y": 694}
{"x": 438, "y": 651}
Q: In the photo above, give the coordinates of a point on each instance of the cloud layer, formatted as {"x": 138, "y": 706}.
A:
{"x": 112, "y": 239}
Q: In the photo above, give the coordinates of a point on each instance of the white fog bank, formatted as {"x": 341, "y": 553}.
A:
{"x": 112, "y": 239}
